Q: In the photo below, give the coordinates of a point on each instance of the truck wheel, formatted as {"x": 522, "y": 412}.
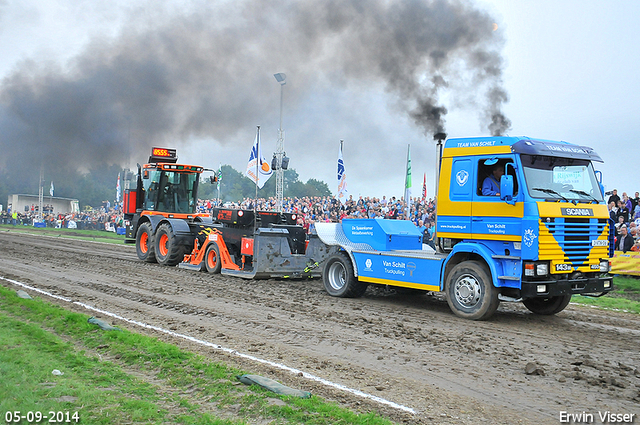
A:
{"x": 547, "y": 306}
{"x": 168, "y": 252}
{"x": 470, "y": 292}
{"x": 144, "y": 244}
{"x": 212, "y": 258}
{"x": 339, "y": 280}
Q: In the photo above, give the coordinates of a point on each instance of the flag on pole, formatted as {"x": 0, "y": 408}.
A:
{"x": 407, "y": 182}
{"x": 424, "y": 187}
{"x": 51, "y": 189}
{"x": 258, "y": 169}
{"x": 219, "y": 175}
{"x": 118, "y": 189}
{"x": 342, "y": 178}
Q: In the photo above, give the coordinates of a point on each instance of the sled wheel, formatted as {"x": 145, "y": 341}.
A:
{"x": 339, "y": 279}
{"x": 547, "y": 306}
{"x": 144, "y": 244}
{"x": 168, "y": 252}
{"x": 212, "y": 258}
{"x": 470, "y": 292}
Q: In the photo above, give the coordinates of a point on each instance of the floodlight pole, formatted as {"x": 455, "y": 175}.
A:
{"x": 279, "y": 154}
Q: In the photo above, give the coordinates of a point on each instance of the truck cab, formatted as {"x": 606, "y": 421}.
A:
{"x": 546, "y": 234}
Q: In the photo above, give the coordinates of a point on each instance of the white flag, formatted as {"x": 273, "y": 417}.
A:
{"x": 262, "y": 167}
{"x": 342, "y": 177}
{"x": 51, "y": 189}
{"x": 118, "y": 189}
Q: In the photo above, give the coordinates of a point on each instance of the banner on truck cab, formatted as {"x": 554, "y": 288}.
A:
{"x": 626, "y": 263}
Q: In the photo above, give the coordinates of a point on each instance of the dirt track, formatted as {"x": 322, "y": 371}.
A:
{"x": 407, "y": 348}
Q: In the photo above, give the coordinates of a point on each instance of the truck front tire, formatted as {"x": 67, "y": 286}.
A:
{"x": 470, "y": 292}
{"x": 547, "y": 306}
{"x": 339, "y": 279}
{"x": 144, "y": 244}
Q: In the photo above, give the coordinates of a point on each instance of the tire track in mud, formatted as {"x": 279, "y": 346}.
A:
{"x": 395, "y": 345}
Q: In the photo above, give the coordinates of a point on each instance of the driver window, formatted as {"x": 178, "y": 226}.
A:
{"x": 490, "y": 170}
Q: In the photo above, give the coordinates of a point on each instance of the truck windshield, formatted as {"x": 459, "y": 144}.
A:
{"x": 566, "y": 179}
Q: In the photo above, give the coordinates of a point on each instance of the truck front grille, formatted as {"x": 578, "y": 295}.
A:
{"x": 568, "y": 240}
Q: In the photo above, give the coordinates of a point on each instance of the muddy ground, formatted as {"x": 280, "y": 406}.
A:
{"x": 404, "y": 347}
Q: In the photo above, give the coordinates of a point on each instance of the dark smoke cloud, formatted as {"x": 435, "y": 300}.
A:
{"x": 208, "y": 74}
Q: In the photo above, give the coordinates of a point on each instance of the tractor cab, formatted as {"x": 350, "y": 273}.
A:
{"x": 166, "y": 187}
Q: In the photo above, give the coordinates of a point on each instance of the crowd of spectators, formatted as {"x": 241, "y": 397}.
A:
{"x": 103, "y": 218}
{"x": 625, "y": 213}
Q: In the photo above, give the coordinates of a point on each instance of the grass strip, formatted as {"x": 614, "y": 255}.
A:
{"x": 124, "y": 377}
{"x": 625, "y": 296}
{"x": 86, "y": 235}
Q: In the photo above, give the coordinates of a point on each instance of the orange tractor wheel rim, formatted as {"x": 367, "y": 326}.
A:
{"x": 144, "y": 240}
{"x": 163, "y": 245}
{"x": 212, "y": 259}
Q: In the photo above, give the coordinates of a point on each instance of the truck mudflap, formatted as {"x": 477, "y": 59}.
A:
{"x": 578, "y": 286}
{"x": 272, "y": 257}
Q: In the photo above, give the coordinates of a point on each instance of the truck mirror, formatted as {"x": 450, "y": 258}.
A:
{"x": 145, "y": 175}
{"x": 506, "y": 189}
{"x": 599, "y": 178}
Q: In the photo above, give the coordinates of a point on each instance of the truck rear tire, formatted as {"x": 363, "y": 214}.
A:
{"x": 470, "y": 292}
{"x": 144, "y": 244}
{"x": 168, "y": 252}
{"x": 547, "y": 306}
{"x": 339, "y": 279}
{"x": 212, "y": 258}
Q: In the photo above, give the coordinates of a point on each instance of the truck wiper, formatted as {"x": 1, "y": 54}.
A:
{"x": 582, "y": 192}
{"x": 551, "y": 191}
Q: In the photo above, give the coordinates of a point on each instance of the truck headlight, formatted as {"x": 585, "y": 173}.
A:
{"x": 605, "y": 266}
{"x": 542, "y": 269}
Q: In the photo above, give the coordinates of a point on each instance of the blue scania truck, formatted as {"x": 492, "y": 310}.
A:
{"x": 542, "y": 235}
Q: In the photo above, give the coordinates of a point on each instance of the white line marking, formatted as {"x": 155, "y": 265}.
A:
{"x": 223, "y": 349}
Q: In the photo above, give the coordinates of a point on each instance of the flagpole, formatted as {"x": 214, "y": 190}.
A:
{"x": 219, "y": 177}
{"x": 255, "y": 201}
{"x": 407, "y": 183}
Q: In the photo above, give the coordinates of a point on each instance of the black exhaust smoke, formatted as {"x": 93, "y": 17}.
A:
{"x": 201, "y": 75}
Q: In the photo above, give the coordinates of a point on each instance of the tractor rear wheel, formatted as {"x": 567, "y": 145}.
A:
{"x": 144, "y": 244}
{"x": 212, "y": 258}
{"x": 168, "y": 251}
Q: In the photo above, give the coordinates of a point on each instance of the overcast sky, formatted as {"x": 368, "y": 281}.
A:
{"x": 569, "y": 69}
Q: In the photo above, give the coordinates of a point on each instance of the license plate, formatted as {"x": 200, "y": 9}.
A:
{"x": 600, "y": 242}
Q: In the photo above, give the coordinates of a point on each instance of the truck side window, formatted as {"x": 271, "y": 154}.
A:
{"x": 489, "y": 172}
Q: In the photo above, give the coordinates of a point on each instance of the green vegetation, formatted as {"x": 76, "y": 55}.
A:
{"x": 625, "y": 296}
{"x": 123, "y": 377}
{"x": 235, "y": 187}
{"x": 87, "y": 235}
